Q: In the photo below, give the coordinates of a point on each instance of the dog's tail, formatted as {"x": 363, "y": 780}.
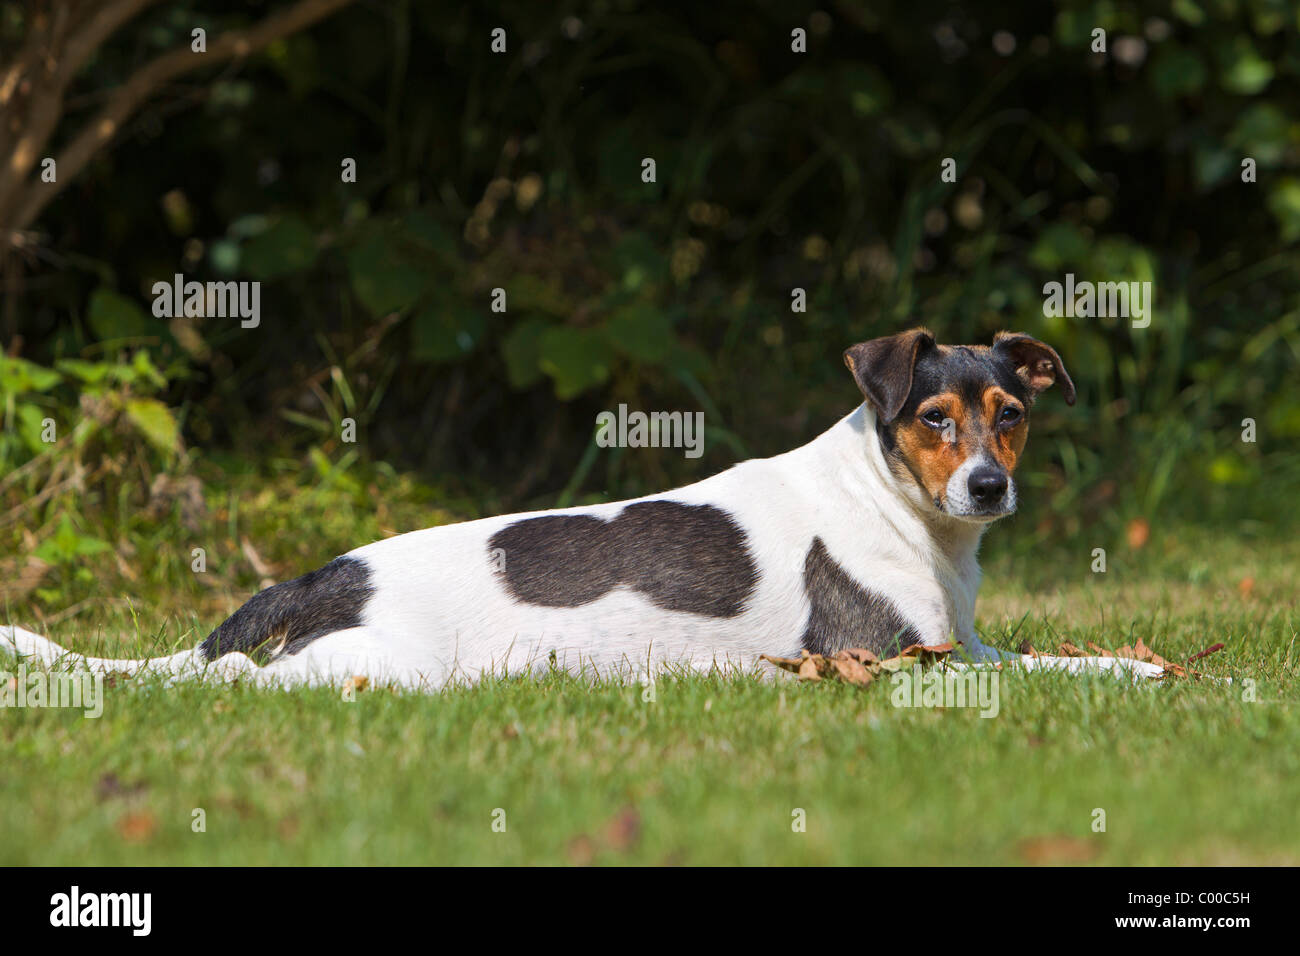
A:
{"x": 192, "y": 663}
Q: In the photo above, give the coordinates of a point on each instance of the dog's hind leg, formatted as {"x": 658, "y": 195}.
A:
{"x": 364, "y": 651}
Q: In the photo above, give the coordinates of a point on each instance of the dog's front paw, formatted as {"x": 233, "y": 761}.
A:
{"x": 1121, "y": 666}
{"x": 975, "y": 652}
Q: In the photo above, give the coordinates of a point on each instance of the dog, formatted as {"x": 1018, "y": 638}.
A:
{"x": 865, "y": 537}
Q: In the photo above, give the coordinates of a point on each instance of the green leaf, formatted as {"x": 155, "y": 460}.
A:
{"x": 427, "y": 231}
{"x": 576, "y": 359}
{"x": 1284, "y": 204}
{"x": 143, "y": 370}
{"x": 1058, "y": 246}
{"x": 31, "y": 423}
{"x": 522, "y": 351}
{"x": 19, "y": 375}
{"x": 639, "y": 260}
{"x": 155, "y": 422}
{"x": 441, "y": 332}
{"x": 1177, "y": 71}
{"x": 1262, "y": 132}
{"x": 529, "y": 293}
{"x": 1244, "y": 70}
{"x": 67, "y": 544}
{"x": 383, "y": 278}
{"x": 287, "y": 246}
{"x": 1188, "y": 11}
{"x": 1229, "y": 469}
{"x": 92, "y": 373}
{"x": 1212, "y": 163}
{"x": 642, "y": 332}
{"x": 866, "y": 90}
{"x": 114, "y": 316}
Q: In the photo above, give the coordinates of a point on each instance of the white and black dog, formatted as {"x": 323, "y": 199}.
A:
{"x": 864, "y": 537}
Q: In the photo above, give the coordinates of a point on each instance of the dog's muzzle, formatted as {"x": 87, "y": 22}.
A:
{"x": 980, "y": 489}
{"x": 987, "y": 487}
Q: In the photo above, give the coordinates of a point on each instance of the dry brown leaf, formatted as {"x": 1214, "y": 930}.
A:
{"x": 860, "y": 654}
{"x": 809, "y": 667}
{"x": 1058, "y": 849}
{"x": 356, "y": 683}
{"x": 852, "y": 670}
{"x": 137, "y": 827}
{"x": 856, "y": 665}
{"x": 622, "y": 832}
{"x": 1139, "y": 651}
{"x": 786, "y": 663}
{"x": 1246, "y": 586}
{"x": 921, "y": 650}
{"x": 860, "y": 667}
{"x": 1138, "y": 532}
{"x": 582, "y": 850}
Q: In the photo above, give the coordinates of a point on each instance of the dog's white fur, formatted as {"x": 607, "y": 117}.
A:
{"x": 440, "y": 611}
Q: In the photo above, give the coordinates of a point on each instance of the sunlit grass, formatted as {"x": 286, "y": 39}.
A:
{"x": 710, "y": 770}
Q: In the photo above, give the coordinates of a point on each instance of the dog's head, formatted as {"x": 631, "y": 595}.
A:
{"x": 953, "y": 419}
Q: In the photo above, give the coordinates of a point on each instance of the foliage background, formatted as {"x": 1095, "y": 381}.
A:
{"x": 775, "y": 170}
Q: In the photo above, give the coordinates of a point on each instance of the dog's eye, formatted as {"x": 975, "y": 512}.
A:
{"x": 1010, "y": 415}
{"x": 933, "y": 417}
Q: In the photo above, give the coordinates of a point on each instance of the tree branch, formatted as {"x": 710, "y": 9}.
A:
{"x": 47, "y": 71}
{"x": 128, "y": 98}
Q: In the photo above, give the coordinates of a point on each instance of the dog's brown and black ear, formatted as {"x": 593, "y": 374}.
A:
{"x": 883, "y": 369}
{"x": 1035, "y": 362}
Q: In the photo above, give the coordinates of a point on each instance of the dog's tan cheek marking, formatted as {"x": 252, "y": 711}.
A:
{"x": 931, "y": 458}
{"x": 1016, "y": 439}
{"x": 1005, "y": 445}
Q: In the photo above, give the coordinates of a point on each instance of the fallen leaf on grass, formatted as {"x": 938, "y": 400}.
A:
{"x": 856, "y": 665}
{"x": 356, "y": 683}
{"x": 1139, "y": 530}
{"x": 1136, "y": 652}
{"x": 137, "y": 827}
{"x": 582, "y": 850}
{"x": 620, "y": 834}
{"x": 1058, "y": 849}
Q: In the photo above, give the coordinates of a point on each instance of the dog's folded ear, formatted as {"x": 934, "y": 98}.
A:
{"x": 883, "y": 369}
{"x": 1035, "y": 362}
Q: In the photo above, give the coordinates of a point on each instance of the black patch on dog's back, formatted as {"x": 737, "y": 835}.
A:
{"x": 296, "y": 612}
{"x": 845, "y": 614}
{"x": 691, "y": 558}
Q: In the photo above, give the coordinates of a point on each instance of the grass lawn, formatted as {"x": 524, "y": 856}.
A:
{"x": 711, "y": 770}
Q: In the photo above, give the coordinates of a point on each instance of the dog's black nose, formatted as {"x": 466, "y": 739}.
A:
{"x": 987, "y": 486}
